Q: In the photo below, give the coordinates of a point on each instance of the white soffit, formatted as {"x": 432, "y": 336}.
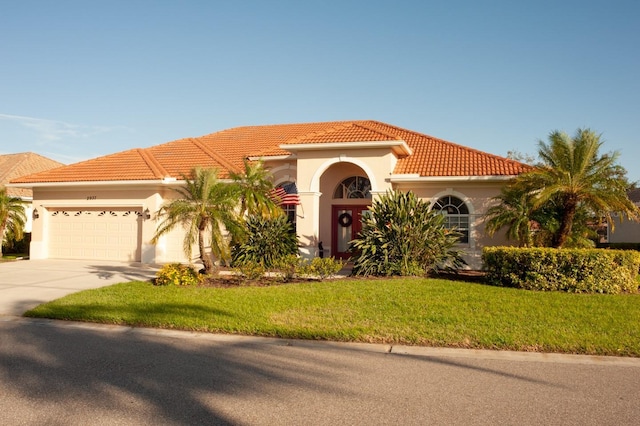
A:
{"x": 399, "y": 147}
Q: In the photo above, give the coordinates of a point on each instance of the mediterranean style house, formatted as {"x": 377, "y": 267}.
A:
{"x": 104, "y": 208}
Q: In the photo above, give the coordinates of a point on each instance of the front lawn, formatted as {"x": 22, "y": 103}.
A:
{"x": 414, "y": 311}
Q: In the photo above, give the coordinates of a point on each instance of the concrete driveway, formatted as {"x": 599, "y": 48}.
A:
{"x": 25, "y": 284}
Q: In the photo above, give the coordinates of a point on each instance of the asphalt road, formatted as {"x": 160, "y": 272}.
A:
{"x": 56, "y": 373}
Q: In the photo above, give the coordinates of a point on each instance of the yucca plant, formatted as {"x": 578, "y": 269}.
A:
{"x": 403, "y": 236}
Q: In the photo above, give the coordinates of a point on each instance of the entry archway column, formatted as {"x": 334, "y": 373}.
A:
{"x": 308, "y": 223}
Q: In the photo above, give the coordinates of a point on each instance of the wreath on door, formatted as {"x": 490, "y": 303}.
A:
{"x": 345, "y": 219}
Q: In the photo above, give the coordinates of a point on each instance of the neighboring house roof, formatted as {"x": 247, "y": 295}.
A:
{"x": 634, "y": 195}
{"x": 14, "y": 166}
{"x": 227, "y": 149}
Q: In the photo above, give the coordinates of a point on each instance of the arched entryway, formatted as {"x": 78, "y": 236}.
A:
{"x": 350, "y": 203}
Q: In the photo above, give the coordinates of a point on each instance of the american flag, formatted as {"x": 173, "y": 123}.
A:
{"x": 285, "y": 195}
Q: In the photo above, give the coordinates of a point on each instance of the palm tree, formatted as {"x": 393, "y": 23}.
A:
{"x": 254, "y": 185}
{"x": 12, "y": 217}
{"x": 514, "y": 211}
{"x": 205, "y": 207}
{"x": 575, "y": 175}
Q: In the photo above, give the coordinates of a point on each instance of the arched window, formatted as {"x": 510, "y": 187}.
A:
{"x": 456, "y": 215}
{"x": 353, "y": 187}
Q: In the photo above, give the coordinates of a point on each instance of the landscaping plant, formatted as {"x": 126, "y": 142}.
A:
{"x": 267, "y": 240}
{"x": 572, "y": 189}
{"x": 403, "y": 236}
{"x": 322, "y": 268}
{"x": 177, "y": 274}
{"x": 205, "y": 206}
{"x": 12, "y": 218}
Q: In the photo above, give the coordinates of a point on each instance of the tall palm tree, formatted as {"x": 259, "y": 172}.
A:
{"x": 254, "y": 184}
{"x": 574, "y": 174}
{"x": 206, "y": 205}
{"x": 12, "y": 217}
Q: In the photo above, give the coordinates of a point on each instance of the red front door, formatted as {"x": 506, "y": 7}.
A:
{"x": 346, "y": 223}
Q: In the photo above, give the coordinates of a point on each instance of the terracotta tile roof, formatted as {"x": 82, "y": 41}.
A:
{"x": 13, "y": 166}
{"x": 226, "y": 150}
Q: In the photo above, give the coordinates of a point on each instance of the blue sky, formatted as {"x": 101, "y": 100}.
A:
{"x": 80, "y": 79}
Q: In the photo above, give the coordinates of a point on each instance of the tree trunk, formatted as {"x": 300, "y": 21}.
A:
{"x": 561, "y": 236}
{"x": 2, "y": 227}
{"x": 204, "y": 256}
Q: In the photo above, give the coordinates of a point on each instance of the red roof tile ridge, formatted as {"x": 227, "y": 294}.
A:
{"x": 339, "y": 126}
{"x": 463, "y": 147}
{"x": 367, "y": 126}
{"x": 153, "y": 163}
{"x": 211, "y": 153}
{"x": 271, "y": 126}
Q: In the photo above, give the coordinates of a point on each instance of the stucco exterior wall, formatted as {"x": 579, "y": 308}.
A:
{"x": 318, "y": 174}
{"x": 478, "y": 198}
{"x": 140, "y": 198}
{"x": 625, "y": 231}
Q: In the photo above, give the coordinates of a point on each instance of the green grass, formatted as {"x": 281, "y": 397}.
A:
{"x": 411, "y": 311}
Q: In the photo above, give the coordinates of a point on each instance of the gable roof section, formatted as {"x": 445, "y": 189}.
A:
{"x": 226, "y": 150}
{"x": 13, "y": 166}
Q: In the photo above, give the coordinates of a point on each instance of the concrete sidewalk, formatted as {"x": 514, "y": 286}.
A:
{"x": 25, "y": 284}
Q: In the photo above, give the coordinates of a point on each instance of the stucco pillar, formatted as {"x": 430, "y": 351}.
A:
{"x": 307, "y": 223}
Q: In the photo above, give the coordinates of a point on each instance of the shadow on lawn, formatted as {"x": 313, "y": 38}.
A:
{"x": 471, "y": 276}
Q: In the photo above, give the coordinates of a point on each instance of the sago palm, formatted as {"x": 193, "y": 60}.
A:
{"x": 12, "y": 217}
{"x": 205, "y": 207}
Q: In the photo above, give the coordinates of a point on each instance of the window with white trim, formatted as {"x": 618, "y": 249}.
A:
{"x": 456, "y": 215}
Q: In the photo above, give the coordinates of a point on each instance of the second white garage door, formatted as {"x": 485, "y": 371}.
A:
{"x": 100, "y": 234}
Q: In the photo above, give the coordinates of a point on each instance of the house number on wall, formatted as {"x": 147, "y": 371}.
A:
{"x": 91, "y": 197}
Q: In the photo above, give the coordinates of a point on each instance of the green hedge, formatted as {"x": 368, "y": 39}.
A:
{"x": 571, "y": 270}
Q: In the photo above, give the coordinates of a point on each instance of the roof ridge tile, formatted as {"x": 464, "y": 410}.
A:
{"x": 220, "y": 159}
{"x": 153, "y": 163}
{"x": 394, "y": 137}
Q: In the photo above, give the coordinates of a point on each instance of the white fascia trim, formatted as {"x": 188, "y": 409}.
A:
{"x": 168, "y": 181}
{"x": 418, "y": 178}
{"x": 94, "y": 183}
{"x": 272, "y": 158}
{"x": 399, "y": 146}
{"x": 85, "y": 205}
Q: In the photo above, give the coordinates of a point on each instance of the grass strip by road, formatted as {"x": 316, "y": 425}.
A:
{"x": 413, "y": 311}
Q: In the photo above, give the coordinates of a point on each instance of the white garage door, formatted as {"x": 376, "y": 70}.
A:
{"x": 100, "y": 234}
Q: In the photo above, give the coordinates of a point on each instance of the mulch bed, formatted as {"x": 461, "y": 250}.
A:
{"x": 229, "y": 280}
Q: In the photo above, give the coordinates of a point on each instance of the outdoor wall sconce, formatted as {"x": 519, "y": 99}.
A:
{"x": 35, "y": 214}
{"x": 147, "y": 214}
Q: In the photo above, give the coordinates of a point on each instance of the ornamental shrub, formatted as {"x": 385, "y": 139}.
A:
{"x": 177, "y": 274}
{"x": 287, "y": 267}
{"x": 403, "y": 236}
{"x": 267, "y": 240}
{"x": 322, "y": 268}
{"x": 250, "y": 270}
{"x": 571, "y": 270}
